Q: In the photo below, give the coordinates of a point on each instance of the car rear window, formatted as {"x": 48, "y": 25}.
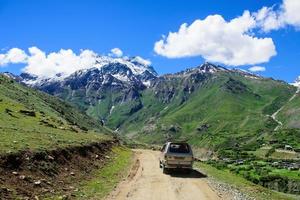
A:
{"x": 179, "y": 148}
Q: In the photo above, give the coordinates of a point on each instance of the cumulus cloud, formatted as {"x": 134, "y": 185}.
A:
{"x": 63, "y": 62}
{"x": 231, "y": 42}
{"x": 217, "y": 40}
{"x": 14, "y": 55}
{"x": 38, "y": 63}
{"x": 270, "y": 18}
{"x": 116, "y": 52}
{"x": 257, "y": 69}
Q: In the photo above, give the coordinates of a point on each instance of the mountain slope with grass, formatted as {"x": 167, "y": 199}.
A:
{"x": 221, "y": 109}
{"x": 35, "y": 120}
{"x": 290, "y": 112}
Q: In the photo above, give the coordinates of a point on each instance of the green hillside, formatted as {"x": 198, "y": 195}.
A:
{"x": 290, "y": 113}
{"x": 223, "y": 111}
{"x": 30, "y": 119}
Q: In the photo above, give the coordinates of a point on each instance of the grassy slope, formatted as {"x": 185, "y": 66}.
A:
{"x": 290, "y": 114}
{"x": 235, "y": 113}
{"x": 48, "y": 123}
{"x": 253, "y": 190}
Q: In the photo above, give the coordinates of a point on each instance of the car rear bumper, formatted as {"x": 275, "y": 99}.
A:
{"x": 183, "y": 165}
{"x": 179, "y": 166}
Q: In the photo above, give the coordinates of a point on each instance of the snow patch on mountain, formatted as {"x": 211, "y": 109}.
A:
{"x": 9, "y": 75}
{"x": 203, "y": 69}
{"x": 247, "y": 74}
{"x": 147, "y": 83}
{"x": 136, "y": 64}
{"x": 121, "y": 77}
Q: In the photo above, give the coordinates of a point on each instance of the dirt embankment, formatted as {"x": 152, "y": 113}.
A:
{"x": 32, "y": 175}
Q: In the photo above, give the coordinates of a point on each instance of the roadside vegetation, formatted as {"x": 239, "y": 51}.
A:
{"x": 269, "y": 174}
{"x": 251, "y": 189}
{"x": 271, "y": 161}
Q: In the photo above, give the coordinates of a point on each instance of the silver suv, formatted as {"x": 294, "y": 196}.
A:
{"x": 176, "y": 155}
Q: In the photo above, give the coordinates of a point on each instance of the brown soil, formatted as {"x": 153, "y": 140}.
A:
{"x": 32, "y": 175}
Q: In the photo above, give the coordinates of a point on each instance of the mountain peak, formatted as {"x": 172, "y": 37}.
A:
{"x": 211, "y": 68}
{"x": 136, "y": 64}
{"x": 205, "y": 68}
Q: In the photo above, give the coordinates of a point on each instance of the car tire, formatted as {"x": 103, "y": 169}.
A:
{"x": 165, "y": 170}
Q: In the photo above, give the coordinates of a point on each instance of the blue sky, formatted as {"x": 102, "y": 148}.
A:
{"x": 134, "y": 26}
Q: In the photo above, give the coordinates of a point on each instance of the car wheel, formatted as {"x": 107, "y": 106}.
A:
{"x": 165, "y": 170}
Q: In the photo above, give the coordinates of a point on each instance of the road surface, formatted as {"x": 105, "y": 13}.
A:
{"x": 147, "y": 182}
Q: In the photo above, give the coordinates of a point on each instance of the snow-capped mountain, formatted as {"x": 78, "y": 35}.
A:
{"x": 107, "y": 83}
{"x": 125, "y": 70}
{"x": 205, "y": 68}
{"x": 209, "y": 68}
{"x": 134, "y": 71}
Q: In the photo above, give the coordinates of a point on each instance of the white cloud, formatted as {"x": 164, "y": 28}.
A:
{"x": 233, "y": 42}
{"x": 270, "y": 18}
{"x": 64, "y": 62}
{"x": 40, "y": 64}
{"x": 267, "y": 19}
{"x": 116, "y": 52}
{"x": 291, "y": 12}
{"x": 14, "y": 55}
{"x": 217, "y": 40}
{"x": 257, "y": 69}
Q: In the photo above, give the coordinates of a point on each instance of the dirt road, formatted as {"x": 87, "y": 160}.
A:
{"x": 147, "y": 182}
